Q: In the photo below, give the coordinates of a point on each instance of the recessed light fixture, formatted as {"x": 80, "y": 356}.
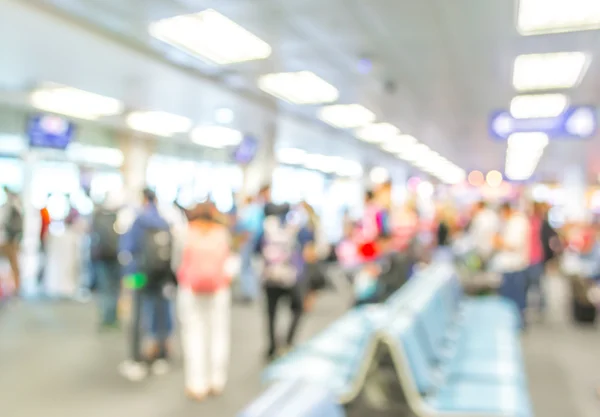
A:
{"x": 494, "y": 178}
{"x": 158, "y": 123}
{"x": 377, "y": 133}
{"x": 212, "y": 36}
{"x": 551, "y": 71}
{"x": 379, "y": 175}
{"x": 349, "y": 168}
{"x": 523, "y": 154}
{"x": 291, "y": 156}
{"x": 216, "y": 136}
{"x": 538, "y": 17}
{"x": 302, "y": 87}
{"x": 346, "y": 116}
{"x": 538, "y": 106}
{"x": 56, "y": 98}
{"x": 224, "y": 116}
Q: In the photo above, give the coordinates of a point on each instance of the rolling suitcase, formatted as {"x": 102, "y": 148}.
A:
{"x": 583, "y": 310}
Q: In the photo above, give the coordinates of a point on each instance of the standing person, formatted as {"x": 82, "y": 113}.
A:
{"x": 45, "y": 222}
{"x": 204, "y": 302}
{"x": 315, "y": 251}
{"x": 104, "y": 248}
{"x": 250, "y": 223}
{"x": 12, "y": 231}
{"x": 512, "y": 258}
{"x": 282, "y": 248}
{"x": 535, "y": 271}
{"x": 550, "y": 240}
{"x": 483, "y": 229}
{"x": 145, "y": 252}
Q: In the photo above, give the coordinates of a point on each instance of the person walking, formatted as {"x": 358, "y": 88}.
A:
{"x": 12, "y": 234}
{"x": 200, "y": 258}
{"x": 104, "y": 248}
{"x": 282, "y": 247}
{"x": 512, "y": 257}
{"x": 145, "y": 253}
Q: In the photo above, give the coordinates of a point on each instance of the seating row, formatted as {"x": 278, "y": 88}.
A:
{"x": 451, "y": 354}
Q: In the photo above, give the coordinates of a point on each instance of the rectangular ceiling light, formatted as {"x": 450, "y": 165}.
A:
{"x": 56, "y": 98}
{"x": 538, "y": 106}
{"x": 346, "y": 116}
{"x": 302, "y": 87}
{"x": 549, "y": 71}
{"x": 291, "y": 156}
{"x": 348, "y": 168}
{"x": 377, "y": 133}
{"x": 216, "y": 136}
{"x": 538, "y": 17}
{"x": 398, "y": 144}
{"x": 158, "y": 123}
{"x": 211, "y": 35}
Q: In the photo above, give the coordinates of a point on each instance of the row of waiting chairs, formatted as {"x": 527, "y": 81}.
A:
{"x": 450, "y": 355}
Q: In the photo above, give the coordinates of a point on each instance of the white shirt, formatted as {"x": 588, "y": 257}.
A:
{"x": 515, "y": 235}
{"x": 484, "y": 227}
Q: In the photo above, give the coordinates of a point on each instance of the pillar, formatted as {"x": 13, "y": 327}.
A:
{"x": 137, "y": 152}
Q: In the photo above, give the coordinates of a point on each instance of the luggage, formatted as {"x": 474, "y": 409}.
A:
{"x": 583, "y": 309}
{"x": 105, "y": 239}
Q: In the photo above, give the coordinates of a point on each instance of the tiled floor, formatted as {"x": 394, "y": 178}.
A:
{"x": 54, "y": 364}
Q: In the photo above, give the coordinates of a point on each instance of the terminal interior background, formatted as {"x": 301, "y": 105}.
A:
{"x": 433, "y": 71}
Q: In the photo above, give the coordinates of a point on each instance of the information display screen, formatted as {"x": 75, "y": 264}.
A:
{"x": 245, "y": 152}
{"x": 48, "y": 131}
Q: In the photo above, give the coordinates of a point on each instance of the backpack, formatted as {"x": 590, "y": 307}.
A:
{"x": 104, "y": 239}
{"x": 282, "y": 258}
{"x": 14, "y": 226}
{"x": 205, "y": 254}
{"x": 155, "y": 256}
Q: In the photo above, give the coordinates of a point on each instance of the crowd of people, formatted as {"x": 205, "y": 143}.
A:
{"x": 276, "y": 252}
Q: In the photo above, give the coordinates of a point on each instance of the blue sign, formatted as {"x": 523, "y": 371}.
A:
{"x": 245, "y": 152}
{"x": 47, "y": 131}
{"x": 576, "y": 122}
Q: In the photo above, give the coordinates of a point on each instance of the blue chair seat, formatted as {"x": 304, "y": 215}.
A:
{"x": 492, "y": 371}
{"x": 321, "y": 371}
{"x": 490, "y": 311}
{"x": 467, "y": 397}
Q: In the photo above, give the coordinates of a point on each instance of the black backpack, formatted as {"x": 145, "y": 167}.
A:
{"x": 14, "y": 227}
{"x": 155, "y": 256}
{"x": 105, "y": 239}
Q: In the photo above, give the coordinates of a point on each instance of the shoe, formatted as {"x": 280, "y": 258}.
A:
{"x": 271, "y": 354}
{"x": 133, "y": 371}
{"x": 196, "y": 396}
{"x": 160, "y": 367}
{"x": 217, "y": 390}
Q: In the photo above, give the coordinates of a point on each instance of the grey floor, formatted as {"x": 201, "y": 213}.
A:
{"x": 54, "y": 364}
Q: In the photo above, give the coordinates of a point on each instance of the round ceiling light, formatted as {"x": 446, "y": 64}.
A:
{"x": 494, "y": 178}
{"x": 476, "y": 178}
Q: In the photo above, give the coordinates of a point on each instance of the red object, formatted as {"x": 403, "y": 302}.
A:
{"x": 368, "y": 251}
{"x": 45, "y": 216}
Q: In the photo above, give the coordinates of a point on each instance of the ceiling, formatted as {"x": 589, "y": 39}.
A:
{"x": 450, "y": 64}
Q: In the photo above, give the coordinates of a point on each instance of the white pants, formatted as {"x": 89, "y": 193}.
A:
{"x": 206, "y": 337}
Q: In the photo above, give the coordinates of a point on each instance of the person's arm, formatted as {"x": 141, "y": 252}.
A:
{"x": 130, "y": 241}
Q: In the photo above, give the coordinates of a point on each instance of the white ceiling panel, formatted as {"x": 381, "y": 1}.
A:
{"x": 439, "y": 67}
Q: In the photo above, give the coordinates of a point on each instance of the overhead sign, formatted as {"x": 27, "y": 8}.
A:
{"x": 48, "y": 131}
{"x": 579, "y": 122}
{"x": 245, "y": 152}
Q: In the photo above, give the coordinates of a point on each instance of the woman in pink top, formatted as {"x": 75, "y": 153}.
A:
{"x": 536, "y": 256}
{"x": 204, "y": 302}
